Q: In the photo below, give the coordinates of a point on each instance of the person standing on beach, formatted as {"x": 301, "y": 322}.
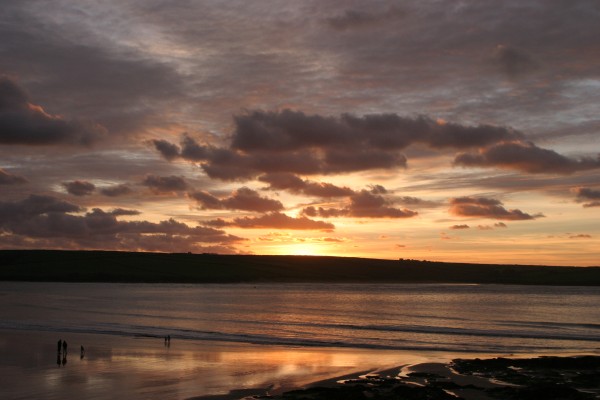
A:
{"x": 82, "y": 352}
{"x": 59, "y": 345}
{"x": 65, "y": 347}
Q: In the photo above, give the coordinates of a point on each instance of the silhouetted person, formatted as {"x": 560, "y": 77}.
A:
{"x": 59, "y": 345}
{"x": 82, "y": 352}
{"x": 65, "y": 347}
{"x": 169, "y": 340}
{"x": 165, "y": 341}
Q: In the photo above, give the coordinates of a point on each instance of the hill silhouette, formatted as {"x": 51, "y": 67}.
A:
{"x": 111, "y": 266}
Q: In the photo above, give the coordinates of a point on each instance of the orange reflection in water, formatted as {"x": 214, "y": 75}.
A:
{"x": 145, "y": 368}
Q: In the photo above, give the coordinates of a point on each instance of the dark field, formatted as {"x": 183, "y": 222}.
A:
{"x": 108, "y": 266}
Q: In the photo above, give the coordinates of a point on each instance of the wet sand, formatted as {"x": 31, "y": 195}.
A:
{"x": 143, "y": 368}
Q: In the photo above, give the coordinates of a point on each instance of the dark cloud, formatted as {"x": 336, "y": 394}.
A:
{"x": 369, "y": 205}
{"x": 513, "y": 62}
{"x": 10, "y": 179}
{"x": 456, "y": 227}
{"x": 33, "y": 206}
{"x": 358, "y": 19}
{"x": 168, "y": 150}
{"x": 378, "y": 189}
{"x": 275, "y": 220}
{"x": 363, "y": 204}
{"x": 486, "y": 208}
{"x": 312, "y": 211}
{"x": 165, "y": 184}
{"x": 25, "y": 123}
{"x": 592, "y": 204}
{"x": 580, "y": 236}
{"x": 76, "y": 60}
{"x": 47, "y": 220}
{"x": 79, "y": 188}
{"x": 121, "y": 211}
{"x": 526, "y": 157}
{"x": 416, "y": 202}
{"x": 491, "y": 227}
{"x": 116, "y": 190}
{"x": 289, "y": 130}
{"x": 295, "y": 184}
{"x": 293, "y": 142}
{"x": 242, "y": 199}
{"x": 586, "y": 194}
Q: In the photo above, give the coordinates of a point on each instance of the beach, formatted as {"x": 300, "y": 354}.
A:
{"x": 144, "y": 367}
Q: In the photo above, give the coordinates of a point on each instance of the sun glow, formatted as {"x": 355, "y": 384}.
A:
{"x": 301, "y": 249}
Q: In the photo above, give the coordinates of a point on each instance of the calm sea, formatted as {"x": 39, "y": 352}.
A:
{"x": 450, "y": 318}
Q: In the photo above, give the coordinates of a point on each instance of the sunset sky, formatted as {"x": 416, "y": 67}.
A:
{"x": 439, "y": 130}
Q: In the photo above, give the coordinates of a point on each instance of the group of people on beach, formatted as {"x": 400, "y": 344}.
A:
{"x": 168, "y": 341}
{"x": 61, "y": 355}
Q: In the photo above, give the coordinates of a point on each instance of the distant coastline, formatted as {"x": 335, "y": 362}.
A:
{"x": 112, "y": 266}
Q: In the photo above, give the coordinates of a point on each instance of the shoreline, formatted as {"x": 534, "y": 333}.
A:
{"x": 549, "y": 377}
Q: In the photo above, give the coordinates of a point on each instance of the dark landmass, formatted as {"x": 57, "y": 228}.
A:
{"x": 110, "y": 266}
{"x": 548, "y": 378}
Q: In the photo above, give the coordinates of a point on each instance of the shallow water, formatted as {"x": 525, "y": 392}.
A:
{"x": 244, "y": 336}
{"x": 454, "y": 318}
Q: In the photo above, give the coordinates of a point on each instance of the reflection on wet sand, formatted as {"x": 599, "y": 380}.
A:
{"x": 144, "y": 368}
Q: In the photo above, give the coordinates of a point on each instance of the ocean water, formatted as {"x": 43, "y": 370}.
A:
{"x": 426, "y": 317}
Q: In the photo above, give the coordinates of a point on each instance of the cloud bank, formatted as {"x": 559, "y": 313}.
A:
{"x": 45, "y": 221}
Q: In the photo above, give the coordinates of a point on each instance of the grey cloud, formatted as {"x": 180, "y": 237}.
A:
{"x": 513, "y": 62}
{"x": 358, "y": 19}
{"x": 165, "y": 184}
{"x": 275, "y": 220}
{"x": 486, "y": 208}
{"x": 363, "y": 204}
{"x": 295, "y": 184}
{"x": 25, "y": 123}
{"x": 33, "y": 206}
{"x": 43, "y": 219}
{"x": 289, "y": 130}
{"x": 7, "y": 178}
{"x": 366, "y": 204}
{"x": 526, "y": 157}
{"x": 296, "y": 143}
{"x": 458, "y": 227}
{"x": 580, "y": 236}
{"x": 168, "y": 150}
{"x": 242, "y": 199}
{"x": 312, "y": 212}
{"x": 378, "y": 189}
{"x": 72, "y": 64}
{"x": 79, "y": 188}
{"x": 116, "y": 190}
{"x": 121, "y": 211}
{"x": 416, "y": 202}
{"x": 585, "y": 194}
